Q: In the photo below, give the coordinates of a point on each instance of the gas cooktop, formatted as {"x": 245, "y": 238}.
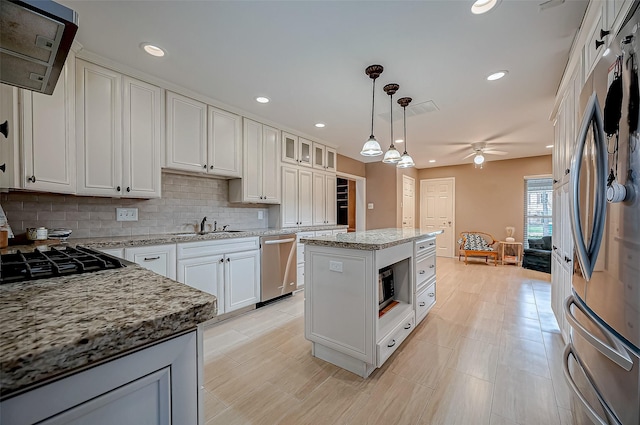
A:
{"x": 56, "y": 262}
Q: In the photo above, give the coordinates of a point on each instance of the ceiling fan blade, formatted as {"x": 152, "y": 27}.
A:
{"x": 470, "y": 155}
{"x": 492, "y": 152}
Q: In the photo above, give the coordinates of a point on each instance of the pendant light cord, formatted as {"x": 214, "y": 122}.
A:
{"x": 404, "y": 119}
{"x": 373, "y": 101}
{"x": 391, "y": 100}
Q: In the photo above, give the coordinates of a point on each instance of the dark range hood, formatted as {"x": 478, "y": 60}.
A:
{"x": 35, "y": 38}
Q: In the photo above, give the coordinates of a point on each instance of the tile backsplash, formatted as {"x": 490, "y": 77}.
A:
{"x": 185, "y": 201}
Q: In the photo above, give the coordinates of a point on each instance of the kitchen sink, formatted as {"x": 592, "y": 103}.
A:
{"x": 217, "y": 232}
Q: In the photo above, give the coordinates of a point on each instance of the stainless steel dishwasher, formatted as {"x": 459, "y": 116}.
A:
{"x": 278, "y": 266}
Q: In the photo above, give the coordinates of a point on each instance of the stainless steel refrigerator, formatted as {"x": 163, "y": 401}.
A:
{"x": 602, "y": 359}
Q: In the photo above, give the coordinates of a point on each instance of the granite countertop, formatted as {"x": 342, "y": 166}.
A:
{"x": 51, "y": 327}
{"x": 371, "y": 239}
{"x": 160, "y": 239}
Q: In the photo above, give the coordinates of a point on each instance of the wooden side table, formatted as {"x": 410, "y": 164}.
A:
{"x": 513, "y": 259}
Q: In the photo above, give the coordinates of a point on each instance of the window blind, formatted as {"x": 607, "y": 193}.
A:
{"x": 537, "y": 208}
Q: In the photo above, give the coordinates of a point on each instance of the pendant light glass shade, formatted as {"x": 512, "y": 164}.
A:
{"x": 371, "y": 146}
{"x": 392, "y": 156}
{"x": 478, "y": 159}
{"x": 405, "y": 160}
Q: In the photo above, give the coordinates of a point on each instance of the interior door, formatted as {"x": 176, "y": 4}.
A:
{"x": 408, "y": 202}
{"x": 437, "y": 212}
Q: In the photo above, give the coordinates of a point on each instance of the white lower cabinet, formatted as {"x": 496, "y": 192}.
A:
{"x": 115, "y": 252}
{"x": 158, "y": 385}
{"x": 425, "y": 277}
{"x": 160, "y": 259}
{"x": 226, "y": 268}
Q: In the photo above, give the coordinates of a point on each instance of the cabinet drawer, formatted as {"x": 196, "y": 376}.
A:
{"x": 425, "y": 268}
{"x": 302, "y": 235}
{"x": 392, "y": 341}
{"x": 324, "y": 233}
{"x": 160, "y": 259}
{"x": 216, "y": 247}
{"x": 424, "y": 246}
{"x": 424, "y": 301}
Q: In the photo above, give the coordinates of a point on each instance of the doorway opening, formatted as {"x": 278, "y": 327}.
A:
{"x": 350, "y": 201}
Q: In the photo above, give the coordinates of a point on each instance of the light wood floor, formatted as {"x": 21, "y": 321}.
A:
{"x": 488, "y": 353}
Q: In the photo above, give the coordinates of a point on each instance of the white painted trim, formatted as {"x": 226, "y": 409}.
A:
{"x": 361, "y": 199}
{"x": 539, "y": 176}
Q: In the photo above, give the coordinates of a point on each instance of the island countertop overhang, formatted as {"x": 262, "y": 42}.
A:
{"x": 370, "y": 240}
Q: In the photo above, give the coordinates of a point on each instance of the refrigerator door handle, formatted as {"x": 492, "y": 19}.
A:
{"x": 587, "y": 255}
{"x": 593, "y": 415}
{"x": 614, "y": 351}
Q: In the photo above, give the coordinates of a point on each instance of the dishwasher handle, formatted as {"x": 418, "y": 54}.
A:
{"x": 279, "y": 241}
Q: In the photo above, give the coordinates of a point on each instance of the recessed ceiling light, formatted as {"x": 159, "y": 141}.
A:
{"x": 399, "y": 141}
{"x": 432, "y": 160}
{"x": 483, "y": 6}
{"x": 549, "y": 146}
{"x": 320, "y": 125}
{"x": 262, "y": 99}
{"x": 497, "y": 75}
{"x": 153, "y": 50}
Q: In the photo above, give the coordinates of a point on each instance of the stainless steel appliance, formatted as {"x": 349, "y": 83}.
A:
{"x": 602, "y": 359}
{"x": 35, "y": 38}
{"x": 57, "y": 261}
{"x": 278, "y": 275}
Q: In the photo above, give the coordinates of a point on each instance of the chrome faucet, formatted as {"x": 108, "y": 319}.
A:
{"x": 202, "y": 224}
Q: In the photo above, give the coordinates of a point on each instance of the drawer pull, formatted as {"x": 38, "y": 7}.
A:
{"x": 408, "y": 326}
{"x": 392, "y": 343}
{"x": 432, "y": 266}
{"x": 151, "y": 258}
{"x": 431, "y": 294}
{"x": 422, "y": 304}
{"x": 431, "y": 244}
{"x": 421, "y": 247}
{"x": 421, "y": 272}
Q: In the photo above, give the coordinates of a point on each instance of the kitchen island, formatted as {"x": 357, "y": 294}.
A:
{"x": 365, "y": 293}
{"x": 113, "y": 342}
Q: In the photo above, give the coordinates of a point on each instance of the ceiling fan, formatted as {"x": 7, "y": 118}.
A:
{"x": 480, "y": 149}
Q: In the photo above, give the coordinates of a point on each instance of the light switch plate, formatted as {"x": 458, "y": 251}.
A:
{"x": 370, "y": 205}
{"x": 335, "y": 266}
{"x": 126, "y": 214}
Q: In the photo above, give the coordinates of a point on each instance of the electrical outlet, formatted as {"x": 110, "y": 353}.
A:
{"x": 126, "y": 214}
{"x": 370, "y": 205}
{"x": 335, "y": 266}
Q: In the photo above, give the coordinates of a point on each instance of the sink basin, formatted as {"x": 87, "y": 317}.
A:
{"x": 217, "y": 232}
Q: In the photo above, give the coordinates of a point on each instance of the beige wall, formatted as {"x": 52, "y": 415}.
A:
{"x": 382, "y": 192}
{"x": 350, "y": 166}
{"x": 492, "y": 198}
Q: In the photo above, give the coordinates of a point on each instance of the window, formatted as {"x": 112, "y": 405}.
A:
{"x": 537, "y": 208}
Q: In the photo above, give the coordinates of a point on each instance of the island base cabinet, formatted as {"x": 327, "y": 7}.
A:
{"x": 425, "y": 300}
{"x": 157, "y": 385}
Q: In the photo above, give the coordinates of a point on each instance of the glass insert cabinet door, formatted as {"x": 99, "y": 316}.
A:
{"x": 304, "y": 152}
{"x": 318, "y": 156}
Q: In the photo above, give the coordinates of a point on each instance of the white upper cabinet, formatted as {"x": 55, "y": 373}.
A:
{"x": 260, "y": 181}
{"x": 98, "y": 130}
{"x": 186, "y": 133}
{"x": 324, "y": 198}
{"x": 201, "y": 138}
{"x": 296, "y": 150}
{"x": 48, "y": 136}
{"x": 331, "y": 160}
{"x": 319, "y": 153}
{"x": 141, "y": 139}
{"x": 118, "y": 123}
{"x": 330, "y": 199}
{"x": 297, "y": 197}
{"x": 224, "y": 147}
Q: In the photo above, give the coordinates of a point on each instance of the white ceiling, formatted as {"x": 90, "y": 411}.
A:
{"x": 309, "y": 58}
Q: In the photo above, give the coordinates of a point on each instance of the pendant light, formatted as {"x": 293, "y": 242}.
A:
{"x": 372, "y": 147}
{"x": 392, "y": 155}
{"x": 405, "y": 160}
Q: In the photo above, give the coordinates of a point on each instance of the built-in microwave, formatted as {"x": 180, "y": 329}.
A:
{"x": 386, "y": 287}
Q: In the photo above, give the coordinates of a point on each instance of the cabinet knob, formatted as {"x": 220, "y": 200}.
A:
{"x": 392, "y": 343}
{"x": 567, "y": 171}
{"x": 567, "y": 259}
{"x": 421, "y": 272}
{"x": 211, "y": 167}
{"x": 555, "y": 181}
{"x": 3, "y": 167}
{"x": 422, "y": 304}
{"x": 421, "y": 247}
{"x": 32, "y": 179}
{"x": 604, "y": 33}
{"x": 598, "y": 44}
{"x": 118, "y": 189}
{"x": 555, "y": 247}
{"x": 128, "y": 189}
{"x": 204, "y": 166}
{"x": 4, "y": 128}
{"x": 228, "y": 259}
{"x": 222, "y": 260}
{"x": 432, "y": 266}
